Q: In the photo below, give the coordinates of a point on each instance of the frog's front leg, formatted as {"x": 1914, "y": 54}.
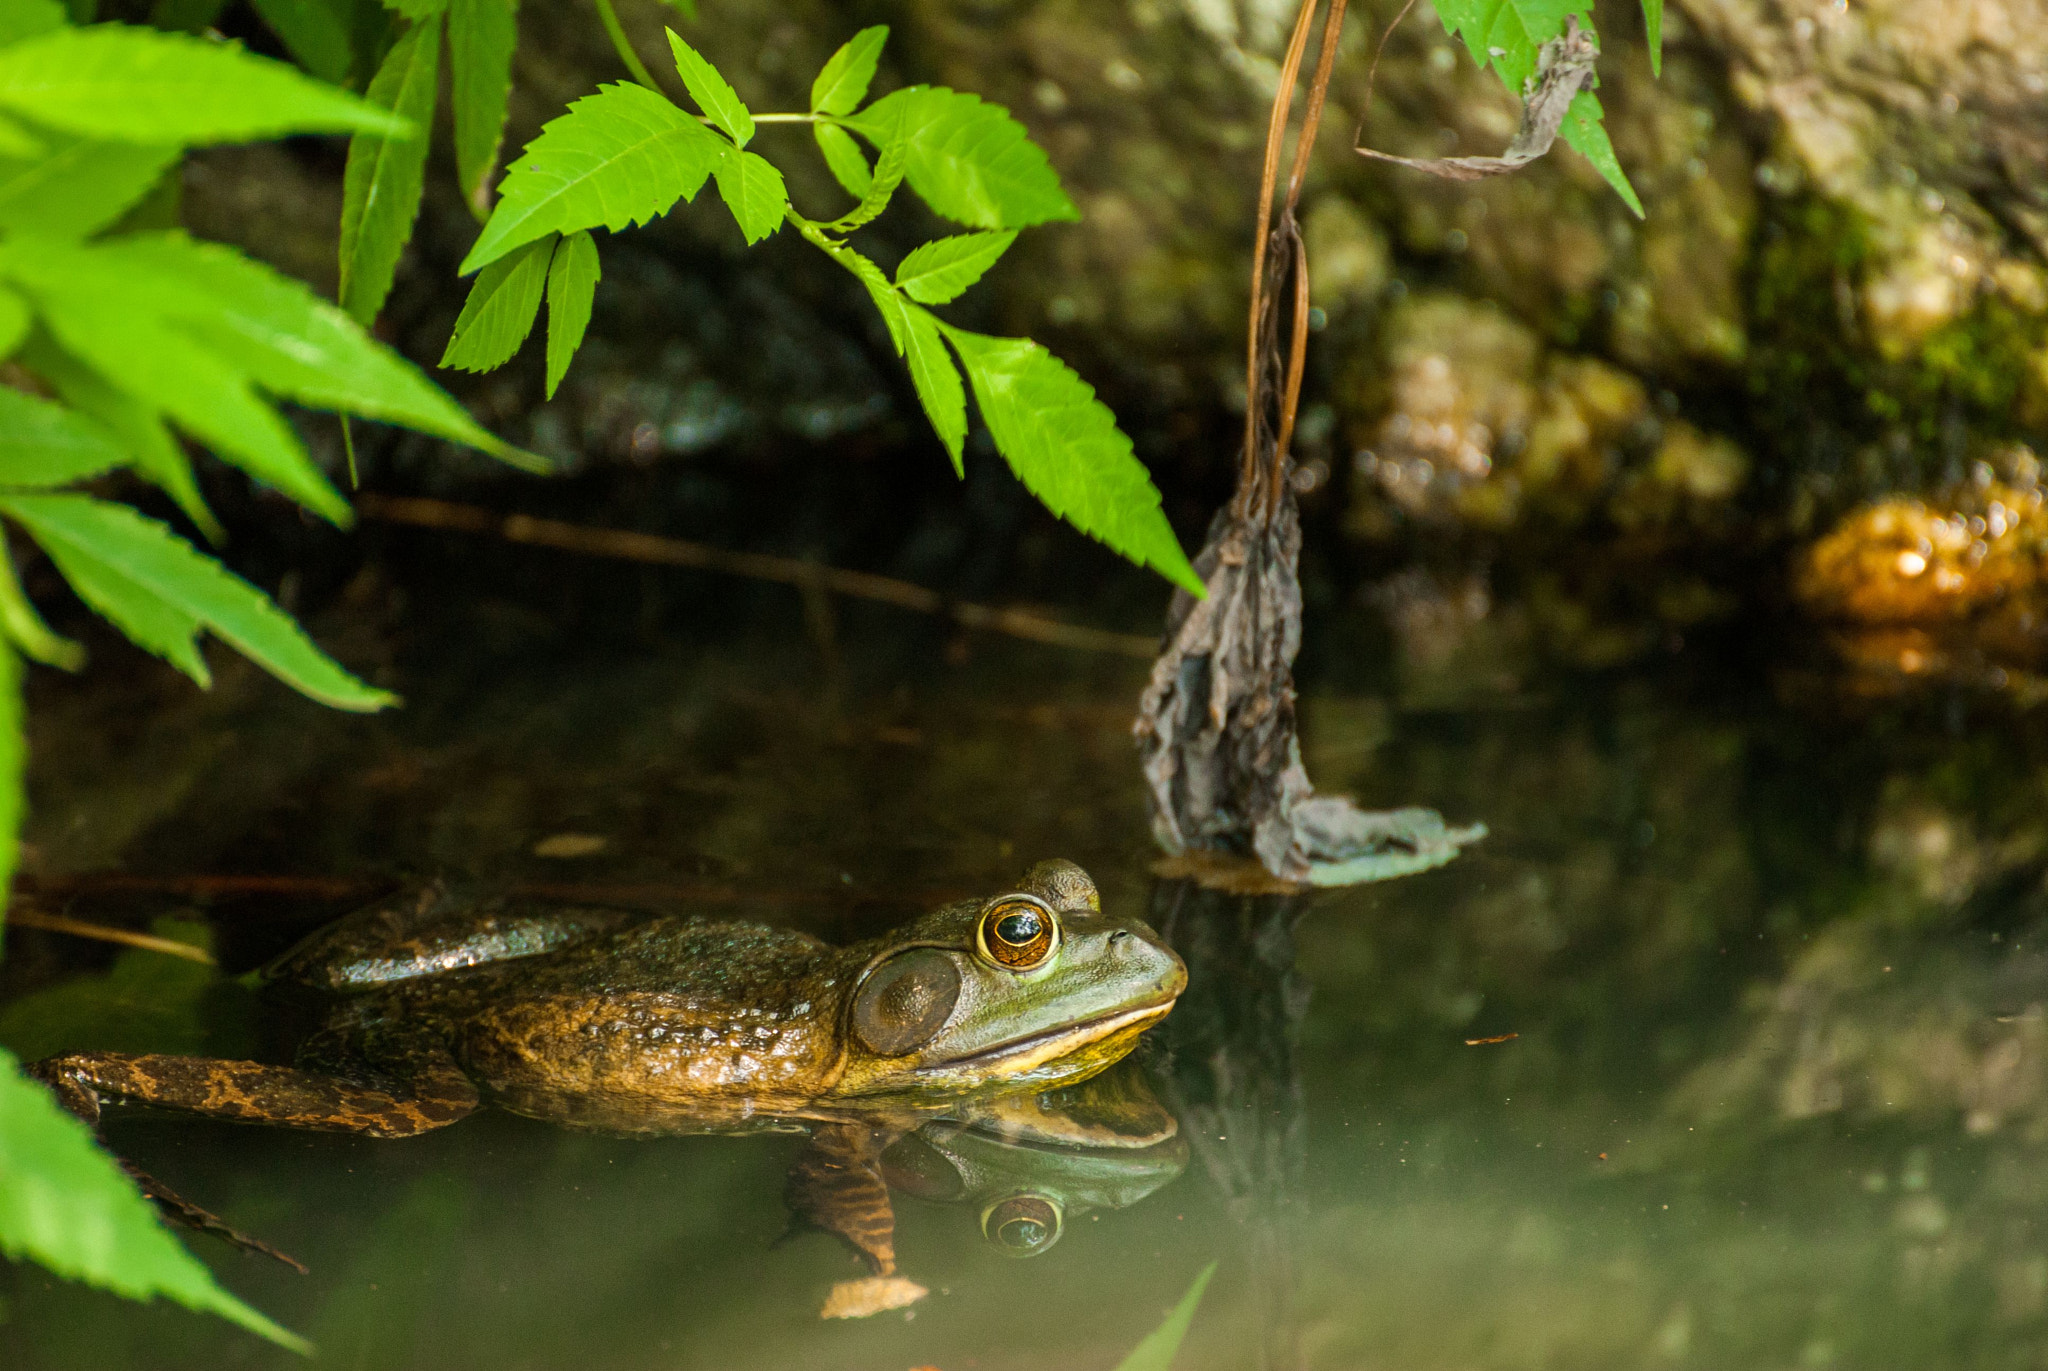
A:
{"x": 437, "y": 1093}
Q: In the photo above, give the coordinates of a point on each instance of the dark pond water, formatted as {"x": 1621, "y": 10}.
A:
{"x": 1775, "y": 1093}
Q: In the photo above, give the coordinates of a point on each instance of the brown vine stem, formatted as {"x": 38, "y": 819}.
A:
{"x": 654, "y": 549}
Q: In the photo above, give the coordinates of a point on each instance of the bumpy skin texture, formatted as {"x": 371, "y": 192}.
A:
{"x": 668, "y": 1024}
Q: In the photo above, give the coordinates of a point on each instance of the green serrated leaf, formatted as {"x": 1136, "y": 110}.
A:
{"x": 720, "y": 103}
{"x": 21, "y": 19}
{"x": 1157, "y": 1351}
{"x": 617, "y": 158}
{"x": 64, "y": 1203}
{"x": 172, "y": 372}
{"x": 572, "y": 286}
{"x": 45, "y": 444}
{"x": 416, "y": 10}
{"x": 385, "y": 177}
{"x": 138, "y": 427}
{"x": 289, "y": 340}
{"x": 119, "y": 562}
{"x": 500, "y": 311}
{"x": 315, "y": 32}
{"x": 882, "y": 185}
{"x": 1653, "y": 26}
{"x": 752, "y": 189}
{"x": 482, "y": 35}
{"x": 894, "y": 311}
{"x": 970, "y": 161}
{"x": 844, "y": 82}
{"x": 939, "y": 271}
{"x": 25, "y": 628}
{"x": 843, "y": 156}
{"x": 138, "y": 85}
{"x": 937, "y": 380}
{"x": 74, "y": 187}
{"x": 1065, "y": 447}
{"x": 1583, "y": 131}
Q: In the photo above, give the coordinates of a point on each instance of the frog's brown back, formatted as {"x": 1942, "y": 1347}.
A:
{"x": 668, "y": 1015}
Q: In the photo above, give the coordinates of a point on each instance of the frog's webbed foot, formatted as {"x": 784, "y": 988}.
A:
{"x": 176, "y": 1207}
{"x": 252, "y": 1092}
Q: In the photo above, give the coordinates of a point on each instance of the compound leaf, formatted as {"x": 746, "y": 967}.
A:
{"x": 482, "y": 35}
{"x": 160, "y": 590}
{"x": 1065, "y": 447}
{"x": 844, "y": 82}
{"x": 969, "y": 160}
{"x": 752, "y": 189}
{"x": 882, "y": 185}
{"x": 1585, "y": 132}
{"x": 572, "y": 286}
{"x": 500, "y": 310}
{"x": 720, "y": 103}
{"x": 939, "y": 271}
{"x": 138, "y": 85}
{"x": 843, "y": 156}
{"x": 45, "y": 444}
{"x": 76, "y": 186}
{"x": 316, "y": 32}
{"x": 381, "y": 187}
{"x": 937, "y": 379}
{"x": 617, "y": 158}
{"x": 288, "y": 339}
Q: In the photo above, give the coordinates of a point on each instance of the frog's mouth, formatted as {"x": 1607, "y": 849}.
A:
{"x": 1027, "y": 1054}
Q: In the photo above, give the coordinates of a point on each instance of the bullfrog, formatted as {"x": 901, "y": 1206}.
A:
{"x": 429, "y": 1006}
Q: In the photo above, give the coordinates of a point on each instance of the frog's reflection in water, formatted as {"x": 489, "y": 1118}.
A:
{"x": 1024, "y": 1165}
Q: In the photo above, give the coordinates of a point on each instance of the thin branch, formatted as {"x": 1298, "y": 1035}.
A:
{"x": 617, "y": 31}
{"x": 627, "y": 545}
{"x": 78, "y": 928}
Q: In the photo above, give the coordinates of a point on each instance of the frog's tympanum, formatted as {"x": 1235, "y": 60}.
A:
{"x": 431, "y": 1006}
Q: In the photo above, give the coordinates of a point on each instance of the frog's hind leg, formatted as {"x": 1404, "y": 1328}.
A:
{"x": 437, "y": 1093}
{"x": 836, "y": 1184}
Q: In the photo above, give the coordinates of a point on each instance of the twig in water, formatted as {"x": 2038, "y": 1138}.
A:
{"x": 78, "y": 928}
{"x": 660, "y": 551}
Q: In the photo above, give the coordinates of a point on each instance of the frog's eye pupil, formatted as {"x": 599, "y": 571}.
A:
{"x": 1018, "y": 933}
{"x": 1020, "y": 928}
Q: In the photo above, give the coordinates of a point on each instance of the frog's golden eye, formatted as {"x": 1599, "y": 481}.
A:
{"x": 1018, "y": 932}
{"x": 1023, "y": 1225}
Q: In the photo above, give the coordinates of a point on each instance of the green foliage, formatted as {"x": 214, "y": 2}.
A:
{"x": 1065, "y": 446}
{"x": 572, "y": 286}
{"x": 316, "y": 32}
{"x": 969, "y": 161}
{"x": 620, "y": 157}
{"x": 940, "y": 270}
{"x": 627, "y": 154}
{"x": 42, "y": 444}
{"x": 138, "y": 86}
{"x": 71, "y": 187}
{"x": 1157, "y": 1351}
{"x": 711, "y": 92}
{"x": 1506, "y": 36}
{"x": 153, "y": 586}
{"x": 481, "y": 37}
{"x": 844, "y": 81}
{"x": 66, "y": 1204}
{"x": 382, "y": 186}
{"x": 501, "y": 308}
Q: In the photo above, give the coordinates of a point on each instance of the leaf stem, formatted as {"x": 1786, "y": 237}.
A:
{"x": 624, "y": 45}
{"x": 793, "y": 118}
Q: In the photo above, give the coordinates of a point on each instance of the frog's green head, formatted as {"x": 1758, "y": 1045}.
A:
{"x": 1034, "y": 987}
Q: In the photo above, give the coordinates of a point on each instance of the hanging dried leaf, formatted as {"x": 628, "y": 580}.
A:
{"x": 1564, "y": 67}
{"x": 1216, "y": 724}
